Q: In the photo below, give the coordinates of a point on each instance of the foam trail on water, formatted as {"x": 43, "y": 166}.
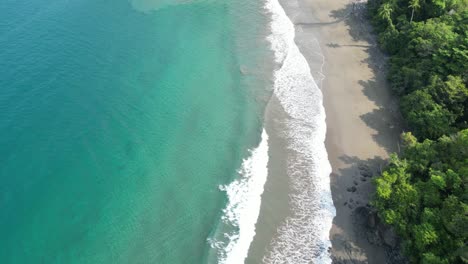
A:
{"x": 304, "y": 236}
{"x": 243, "y": 208}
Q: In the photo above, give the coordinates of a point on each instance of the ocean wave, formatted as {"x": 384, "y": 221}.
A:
{"x": 304, "y": 236}
{"x": 243, "y": 208}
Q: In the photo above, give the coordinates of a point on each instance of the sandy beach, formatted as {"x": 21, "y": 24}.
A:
{"x": 362, "y": 120}
{"x": 362, "y": 126}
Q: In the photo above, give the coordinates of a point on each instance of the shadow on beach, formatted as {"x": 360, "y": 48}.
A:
{"x": 386, "y": 119}
{"x": 364, "y": 240}
{"x": 371, "y": 236}
{"x": 383, "y": 119}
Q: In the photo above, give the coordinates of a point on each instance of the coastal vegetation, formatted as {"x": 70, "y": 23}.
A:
{"x": 423, "y": 192}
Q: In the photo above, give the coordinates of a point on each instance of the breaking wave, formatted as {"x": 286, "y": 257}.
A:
{"x": 304, "y": 236}
{"x": 243, "y": 208}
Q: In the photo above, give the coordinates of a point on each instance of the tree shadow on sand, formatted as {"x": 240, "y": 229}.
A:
{"x": 352, "y": 186}
{"x": 369, "y": 242}
{"x": 386, "y": 119}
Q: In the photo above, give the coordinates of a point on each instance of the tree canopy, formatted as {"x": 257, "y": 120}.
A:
{"x": 423, "y": 192}
{"x": 428, "y": 44}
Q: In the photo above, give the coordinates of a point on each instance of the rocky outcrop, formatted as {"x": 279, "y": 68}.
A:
{"x": 368, "y": 225}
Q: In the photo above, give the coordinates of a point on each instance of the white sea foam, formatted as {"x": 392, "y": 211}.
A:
{"x": 243, "y": 208}
{"x": 304, "y": 236}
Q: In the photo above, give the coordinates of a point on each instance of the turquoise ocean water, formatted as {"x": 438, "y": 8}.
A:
{"x": 119, "y": 120}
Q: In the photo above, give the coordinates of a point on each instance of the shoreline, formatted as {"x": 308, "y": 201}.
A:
{"x": 362, "y": 128}
{"x": 297, "y": 207}
{"x": 361, "y": 116}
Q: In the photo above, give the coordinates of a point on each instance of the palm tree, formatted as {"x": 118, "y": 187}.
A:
{"x": 413, "y": 4}
{"x": 385, "y": 12}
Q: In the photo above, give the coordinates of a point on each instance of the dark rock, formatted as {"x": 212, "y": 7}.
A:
{"x": 373, "y": 237}
{"x": 351, "y": 189}
{"x": 389, "y": 237}
{"x": 368, "y": 174}
{"x": 395, "y": 256}
{"x": 363, "y": 179}
{"x": 365, "y": 171}
{"x": 355, "y": 182}
{"x": 363, "y": 166}
{"x": 371, "y": 220}
{"x": 345, "y": 203}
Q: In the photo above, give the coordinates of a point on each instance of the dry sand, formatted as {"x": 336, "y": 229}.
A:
{"x": 362, "y": 122}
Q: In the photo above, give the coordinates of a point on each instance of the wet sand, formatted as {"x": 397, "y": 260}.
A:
{"x": 362, "y": 124}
